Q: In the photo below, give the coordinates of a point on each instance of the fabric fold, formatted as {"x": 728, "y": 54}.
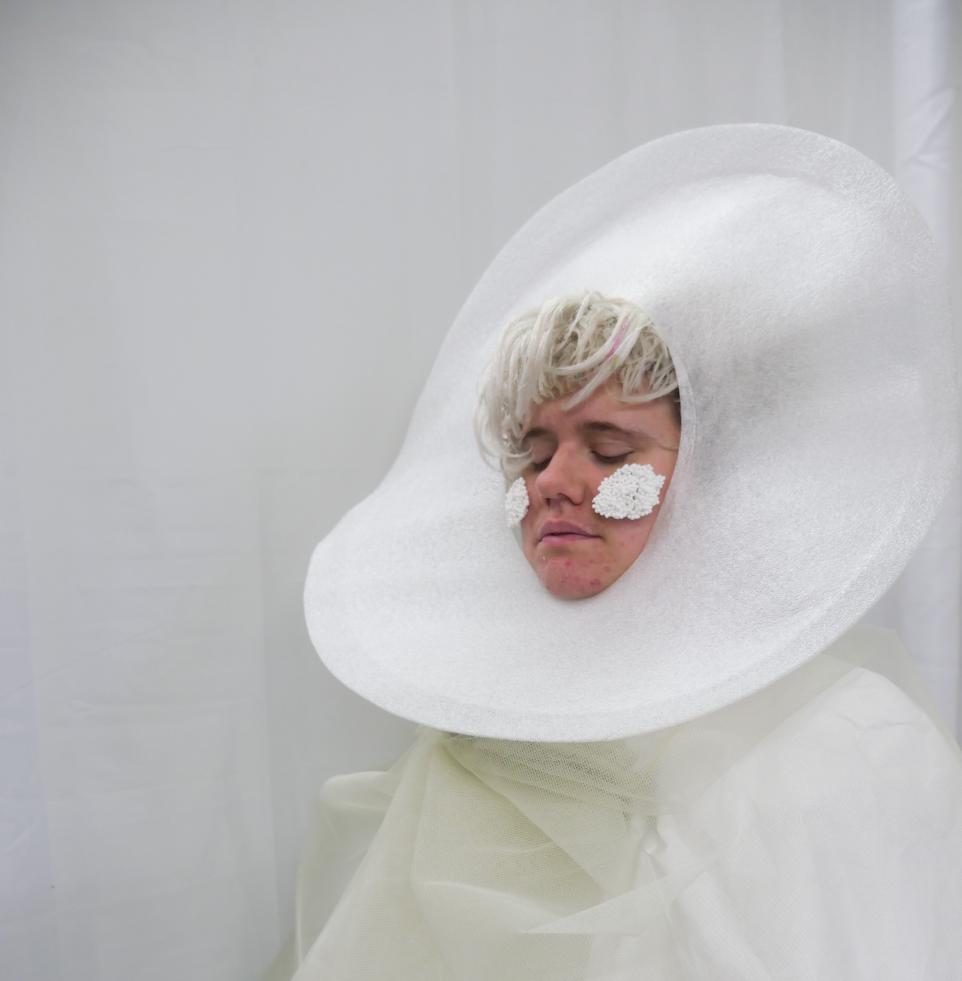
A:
{"x": 812, "y": 830}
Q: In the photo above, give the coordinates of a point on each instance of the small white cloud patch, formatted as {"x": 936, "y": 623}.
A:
{"x": 516, "y": 502}
{"x": 632, "y": 491}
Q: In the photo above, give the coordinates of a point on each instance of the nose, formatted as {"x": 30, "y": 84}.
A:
{"x": 564, "y": 478}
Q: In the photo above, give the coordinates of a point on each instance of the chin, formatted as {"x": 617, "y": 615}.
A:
{"x": 574, "y": 586}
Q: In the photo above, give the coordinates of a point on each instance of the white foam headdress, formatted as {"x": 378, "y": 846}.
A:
{"x": 802, "y": 300}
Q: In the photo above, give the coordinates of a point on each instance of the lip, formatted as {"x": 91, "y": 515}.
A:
{"x": 563, "y": 531}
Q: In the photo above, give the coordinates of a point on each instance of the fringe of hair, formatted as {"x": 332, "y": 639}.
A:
{"x": 572, "y": 344}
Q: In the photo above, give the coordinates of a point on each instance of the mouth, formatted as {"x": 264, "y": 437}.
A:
{"x": 564, "y": 533}
{"x": 566, "y": 538}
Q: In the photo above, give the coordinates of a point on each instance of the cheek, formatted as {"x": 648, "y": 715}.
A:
{"x": 628, "y": 538}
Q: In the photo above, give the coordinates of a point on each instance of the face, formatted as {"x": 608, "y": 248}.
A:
{"x": 571, "y": 453}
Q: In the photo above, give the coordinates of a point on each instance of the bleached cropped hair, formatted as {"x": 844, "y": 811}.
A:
{"x": 572, "y": 344}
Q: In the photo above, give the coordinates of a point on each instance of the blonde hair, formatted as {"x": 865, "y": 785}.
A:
{"x": 572, "y": 344}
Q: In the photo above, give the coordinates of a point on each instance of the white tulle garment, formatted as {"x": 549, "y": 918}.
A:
{"x": 810, "y": 831}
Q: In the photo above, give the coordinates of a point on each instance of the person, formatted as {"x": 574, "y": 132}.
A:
{"x": 581, "y": 388}
{"x": 654, "y": 738}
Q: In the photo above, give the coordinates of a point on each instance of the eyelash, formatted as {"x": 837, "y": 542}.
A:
{"x": 598, "y": 456}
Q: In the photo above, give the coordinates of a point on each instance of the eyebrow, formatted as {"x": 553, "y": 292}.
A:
{"x": 590, "y": 427}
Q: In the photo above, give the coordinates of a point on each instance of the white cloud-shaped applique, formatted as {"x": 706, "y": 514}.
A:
{"x": 631, "y": 491}
{"x": 516, "y": 502}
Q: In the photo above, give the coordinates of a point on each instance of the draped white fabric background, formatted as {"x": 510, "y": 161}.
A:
{"x": 233, "y": 235}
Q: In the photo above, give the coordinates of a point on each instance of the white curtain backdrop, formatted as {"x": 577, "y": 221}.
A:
{"x": 232, "y": 235}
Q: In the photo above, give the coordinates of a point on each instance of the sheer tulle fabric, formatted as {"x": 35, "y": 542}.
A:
{"x": 813, "y": 830}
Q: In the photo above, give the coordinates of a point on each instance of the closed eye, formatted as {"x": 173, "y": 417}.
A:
{"x": 610, "y": 459}
{"x": 539, "y": 465}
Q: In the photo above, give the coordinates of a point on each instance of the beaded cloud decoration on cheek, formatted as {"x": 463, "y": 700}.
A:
{"x": 516, "y": 502}
{"x": 632, "y": 491}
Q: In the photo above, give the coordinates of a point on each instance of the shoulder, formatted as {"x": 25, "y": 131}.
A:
{"x": 862, "y": 750}
{"x": 835, "y": 840}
